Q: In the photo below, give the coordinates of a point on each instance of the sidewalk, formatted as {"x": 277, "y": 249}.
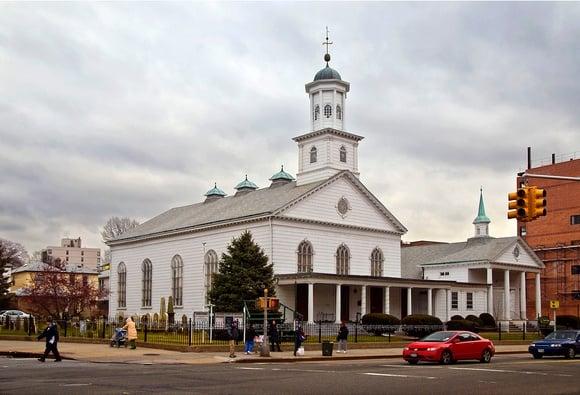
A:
{"x": 102, "y": 353}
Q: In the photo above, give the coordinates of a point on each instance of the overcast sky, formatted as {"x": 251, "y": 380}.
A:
{"x": 129, "y": 109}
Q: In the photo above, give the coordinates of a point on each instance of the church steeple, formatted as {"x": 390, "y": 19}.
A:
{"x": 481, "y": 222}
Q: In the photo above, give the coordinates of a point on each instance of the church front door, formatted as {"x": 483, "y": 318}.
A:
{"x": 376, "y": 300}
{"x": 344, "y": 303}
{"x": 302, "y": 300}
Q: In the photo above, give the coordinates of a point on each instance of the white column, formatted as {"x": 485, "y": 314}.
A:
{"x": 448, "y": 304}
{"x": 506, "y": 295}
{"x": 311, "y": 303}
{"x": 490, "y": 291}
{"x": 337, "y": 307}
{"x": 363, "y": 300}
{"x": 387, "y": 302}
{"x": 430, "y": 301}
{"x": 523, "y": 306}
{"x": 409, "y": 301}
{"x": 538, "y": 296}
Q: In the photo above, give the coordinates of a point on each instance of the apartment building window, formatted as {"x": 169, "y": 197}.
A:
{"x": 67, "y": 252}
{"x": 454, "y": 300}
{"x": 82, "y": 253}
{"x": 575, "y": 219}
{"x": 85, "y": 280}
{"x": 82, "y": 259}
{"x": 576, "y": 294}
{"x": 523, "y": 231}
{"x": 469, "y": 302}
{"x": 575, "y": 269}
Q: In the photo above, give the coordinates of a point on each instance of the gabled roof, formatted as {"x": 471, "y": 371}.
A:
{"x": 41, "y": 266}
{"x": 320, "y": 132}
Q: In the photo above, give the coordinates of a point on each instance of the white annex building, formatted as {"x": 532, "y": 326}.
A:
{"x": 335, "y": 248}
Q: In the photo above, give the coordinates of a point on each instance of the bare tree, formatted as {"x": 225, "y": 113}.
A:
{"x": 12, "y": 255}
{"x": 116, "y": 226}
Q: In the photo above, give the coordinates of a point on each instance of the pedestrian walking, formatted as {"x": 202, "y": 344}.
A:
{"x": 274, "y": 337}
{"x": 50, "y": 333}
{"x": 250, "y": 335}
{"x": 131, "y": 332}
{"x": 342, "y": 337}
{"x": 298, "y": 339}
{"x": 233, "y": 337}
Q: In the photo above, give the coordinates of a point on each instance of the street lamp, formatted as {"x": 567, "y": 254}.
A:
{"x": 265, "y": 351}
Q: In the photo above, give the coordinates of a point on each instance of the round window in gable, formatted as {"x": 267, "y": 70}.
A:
{"x": 343, "y": 206}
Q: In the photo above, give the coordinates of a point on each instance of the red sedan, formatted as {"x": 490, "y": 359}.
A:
{"x": 449, "y": 346}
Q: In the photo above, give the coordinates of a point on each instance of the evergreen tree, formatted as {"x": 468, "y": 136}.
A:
{"x": 243, "y": 274}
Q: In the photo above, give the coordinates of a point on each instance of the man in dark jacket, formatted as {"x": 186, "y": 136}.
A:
{"x": 274, "y": 337}
{"x": 233, "y": 337}
{"x": 50, "y": 333}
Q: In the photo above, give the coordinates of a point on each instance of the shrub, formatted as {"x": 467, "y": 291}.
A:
{"x": 378, "y": 323}
{"x": 462, "y": 325}
{"x": 478, "y": 321}
{"x": 419, "y": 325}
{"x": 568, "y": 321}
{"x": 457, "y": 317}
{"x": 487, "y": 320}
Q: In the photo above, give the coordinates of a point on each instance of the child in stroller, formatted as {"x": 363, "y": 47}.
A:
{"x": 119, "y": 338}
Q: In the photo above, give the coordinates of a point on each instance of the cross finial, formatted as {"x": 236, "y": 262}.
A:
{"x": 327, "y": 43}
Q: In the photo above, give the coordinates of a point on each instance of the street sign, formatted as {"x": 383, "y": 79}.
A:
{"x": 554, "y": 304}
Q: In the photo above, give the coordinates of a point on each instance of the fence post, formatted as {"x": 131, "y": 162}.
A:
{"x": 104, "y": 327}
{"x": 65, "y": 327}
{"x": 29, "y": 319}
{"x": 356, "y": 332}
{"x": 145, "y": 333}
{"x": 320, "y": 331}
{"x": 389, "y": 336}
{"x": 189, "y": 333}
{"x": 524, "y": 331}
{"x": 499, "y": 330}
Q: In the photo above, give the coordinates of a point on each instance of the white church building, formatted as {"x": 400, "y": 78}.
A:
{"x": 335, "y": 248}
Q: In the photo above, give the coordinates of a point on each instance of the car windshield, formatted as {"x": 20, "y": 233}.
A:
{"x": 561, "y": 335}
{"x": 438, "y": 337}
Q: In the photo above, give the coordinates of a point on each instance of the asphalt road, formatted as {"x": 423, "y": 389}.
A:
{"x": 513, "y": 374}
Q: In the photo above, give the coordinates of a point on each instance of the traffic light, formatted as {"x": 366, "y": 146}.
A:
{"x": 537, "y": 203}
{"x": 518, "y": 204}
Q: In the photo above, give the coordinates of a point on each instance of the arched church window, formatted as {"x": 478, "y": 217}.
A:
{"x": 338, "y": 112}
{"x": 305, "y": 257}
{"x": 343, "y": 154}
{"x": 328, "y": 111}
{"x": 313, "y": 154}
{"x": 147, "y": 276}
{"x": 377, "y": 263}
{"x": 342, "y": 260}
{"x": 177, "y": 280}
{"x": 211, "y": 267}
{"x": 122, "y": 285}
{"x": 316, "y": 112}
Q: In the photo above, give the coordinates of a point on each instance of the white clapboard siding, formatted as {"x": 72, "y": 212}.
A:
{"x": 456, "y": 273}
{"x": 322, "y": 206}
{"x": 524, "y": 259}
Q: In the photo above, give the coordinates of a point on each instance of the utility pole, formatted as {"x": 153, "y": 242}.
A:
{"x": 265, "y": 351}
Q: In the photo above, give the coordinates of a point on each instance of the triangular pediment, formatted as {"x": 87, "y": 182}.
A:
{"x": 518, "y": 253}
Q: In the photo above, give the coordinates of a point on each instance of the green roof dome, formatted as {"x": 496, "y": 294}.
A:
{"x": 327, "y": 73}
{"x": 481, "y": 217}
{"x": 215, "y": 191}
{"x": 282, "y": 175}
{"x": 246, "y": 184}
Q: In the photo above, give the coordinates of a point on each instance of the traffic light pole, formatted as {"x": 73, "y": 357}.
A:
{"x": 265, "y": 351}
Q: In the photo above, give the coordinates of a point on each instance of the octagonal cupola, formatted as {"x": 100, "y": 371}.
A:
{"x": 214, "y": 194}
{"x": 280, "y": 178}
{"x": 245, "y": 186}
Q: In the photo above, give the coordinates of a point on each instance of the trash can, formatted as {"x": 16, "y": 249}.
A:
{"x": 327, "y": 348}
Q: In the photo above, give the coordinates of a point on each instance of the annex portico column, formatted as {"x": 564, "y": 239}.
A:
{"x": 311, "y": 302}
{"x": 490, "y": 291}
{"x": 363, "y": 300}
{"x": 409, "y": 301}
{"x": 337, "y": 310}
{"x": 523, "y": 306}
{"x": 387, "y": 302}
{"x": 430, "y": 301}
{"x": 538, "y": 296}
{"x": 506, "y": 295}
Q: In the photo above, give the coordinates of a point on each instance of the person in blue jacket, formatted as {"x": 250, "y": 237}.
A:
{"x": 50, "y": 333}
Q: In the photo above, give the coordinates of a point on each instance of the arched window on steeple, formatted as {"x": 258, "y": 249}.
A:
{"x": 342, "y": 260}
{"x": 328, "y": 111}
{"x": 313, "y": 154}
{"x": 316, "y": 112}
{"x": 343, "y": 153}
{"x": 377, "y": 263}
{"x": 338, "y": 112}
{"x": 305, "y": 257}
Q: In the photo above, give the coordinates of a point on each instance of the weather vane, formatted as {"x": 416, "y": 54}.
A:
{"x": 327, "y": 43}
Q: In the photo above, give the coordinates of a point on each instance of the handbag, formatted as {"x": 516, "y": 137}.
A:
{"x": 300, "y": 351}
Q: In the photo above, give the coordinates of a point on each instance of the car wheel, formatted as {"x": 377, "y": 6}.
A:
{"x": 446, "y": 357}
{"x": 570, "y": 353}
{"x": 537, "y": 356}
{"x": 412, "y": 361}
{"x": 486, "y": 356}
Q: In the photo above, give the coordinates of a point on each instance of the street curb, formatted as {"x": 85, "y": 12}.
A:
{"x": 23, "y": 354}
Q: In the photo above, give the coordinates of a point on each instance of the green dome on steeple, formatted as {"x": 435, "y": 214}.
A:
{"x": 215, "y": 191}
{"x": 282, "y": 175}
{"x": 481, "y": 217}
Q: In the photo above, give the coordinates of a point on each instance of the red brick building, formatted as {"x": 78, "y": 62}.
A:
{"x": 556, "y": 237}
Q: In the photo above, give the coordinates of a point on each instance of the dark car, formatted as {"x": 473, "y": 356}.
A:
{"x": 449, "y": 346}
{"x": 563, "y": 342}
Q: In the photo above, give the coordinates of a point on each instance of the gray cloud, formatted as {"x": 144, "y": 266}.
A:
{"x": 130, "y": 109}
